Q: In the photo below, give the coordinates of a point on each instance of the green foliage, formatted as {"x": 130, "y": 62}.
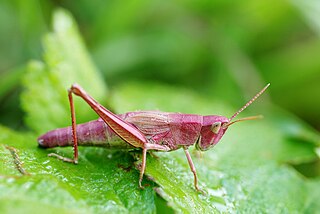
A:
{"x": 99, "y": 184}
{"x": 66, "y": 62}
{"x": 250, "y": 170}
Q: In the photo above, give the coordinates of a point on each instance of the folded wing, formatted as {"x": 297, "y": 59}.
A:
{"x": 150, "y": 123}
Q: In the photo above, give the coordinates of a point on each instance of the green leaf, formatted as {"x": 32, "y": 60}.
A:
{"x": 102, "y": 182}
{"x": 66, "y": 61}
{"x": 244, "y": 172}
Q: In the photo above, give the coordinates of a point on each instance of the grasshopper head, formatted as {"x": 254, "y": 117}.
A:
{"x": 214, "y": 127}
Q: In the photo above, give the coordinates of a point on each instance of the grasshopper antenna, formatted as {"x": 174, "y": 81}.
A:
{"x": 246, "y": 105}
{"x": 245, "y": 118}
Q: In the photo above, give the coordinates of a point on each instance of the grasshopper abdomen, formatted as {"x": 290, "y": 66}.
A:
{"x": 93, "y": 133}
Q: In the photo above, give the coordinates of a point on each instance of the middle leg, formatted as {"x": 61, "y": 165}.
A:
{"x": 149, "y": 146}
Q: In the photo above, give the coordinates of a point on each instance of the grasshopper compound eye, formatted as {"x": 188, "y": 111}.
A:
{"x": 216, "y": 127}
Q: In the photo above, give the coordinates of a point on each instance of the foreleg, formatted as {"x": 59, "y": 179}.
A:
{"x": 192, "y": 167}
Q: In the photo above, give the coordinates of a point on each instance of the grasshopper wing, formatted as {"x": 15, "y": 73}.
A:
{"x": 152, "y": 124}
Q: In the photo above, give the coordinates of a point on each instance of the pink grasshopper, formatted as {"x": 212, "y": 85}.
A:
{"x": 148, "y": 130}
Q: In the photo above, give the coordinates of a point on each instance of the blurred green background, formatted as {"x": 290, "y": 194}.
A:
{"x": 216, "y": 48}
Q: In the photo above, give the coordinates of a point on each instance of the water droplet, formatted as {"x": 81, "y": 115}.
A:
{"x": 46, "y": 162}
